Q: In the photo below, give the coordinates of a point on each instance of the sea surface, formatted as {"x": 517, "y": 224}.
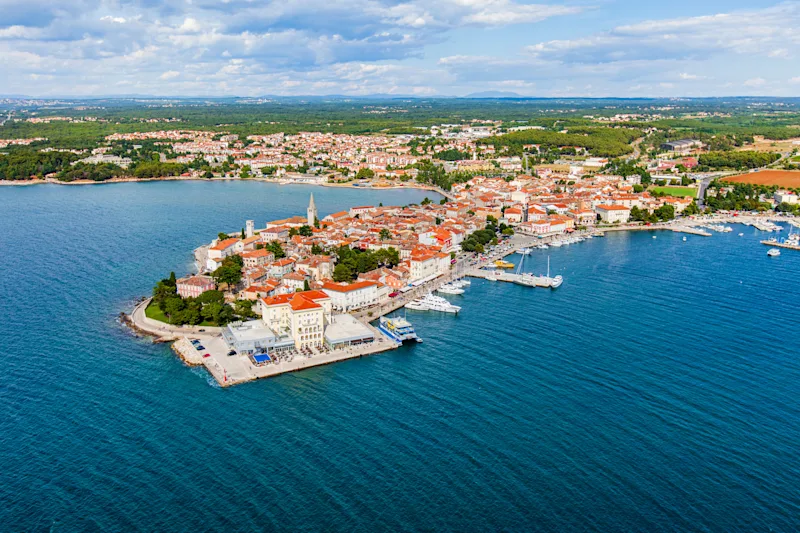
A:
{"x": 657, "y": 390}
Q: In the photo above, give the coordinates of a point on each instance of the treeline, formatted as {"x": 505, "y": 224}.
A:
{"x": 739, "y": 197}
{"x": 601, "y": 141}
{"x": 736, "y": 160}
{"x": 84, "y": 171}
{"x": 21, "y": 165}
{"x": 620, "y": 167}
{"x": 452, "y": 155}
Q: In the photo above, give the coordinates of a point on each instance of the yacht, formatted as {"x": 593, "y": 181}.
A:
{"x": 774, "y": 252}
{"x": 556, "y": 282}
{"x": 437, "y": 303}
{"x": 491, "y": 276}
{"x": 461, "y": 283}
{"x": 543, "y": 246}
{"x": 524, "y": 251}
{"x": 398, "y": 329}
{"x": 555, "y": 243}
{"x": 416, "y": 305}
{"x": 450, "y": 289}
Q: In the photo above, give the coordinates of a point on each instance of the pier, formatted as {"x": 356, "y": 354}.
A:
{"x": 786, "y": 245}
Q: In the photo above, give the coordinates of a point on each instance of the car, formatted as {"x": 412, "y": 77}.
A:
{"x": 201, "y": 330}
{"x": 195, "y": 342}
{"x": 393, "y": 294}
{"x": 232, "y": 352}
{"x": 206, "y": 355}
{"x": 199, "y": 347}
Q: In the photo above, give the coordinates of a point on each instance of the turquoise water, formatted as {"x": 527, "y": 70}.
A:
{"x": 657, "y": 390}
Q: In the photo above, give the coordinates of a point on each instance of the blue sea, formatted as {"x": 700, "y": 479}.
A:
{"x": 657, "y": 390}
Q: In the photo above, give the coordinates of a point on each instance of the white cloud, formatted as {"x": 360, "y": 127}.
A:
{"x": 170, "y": 74}
{"x": 755, "y": 82}
{"x": 795, "y": 80}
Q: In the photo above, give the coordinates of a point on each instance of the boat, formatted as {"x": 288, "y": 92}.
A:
{"x": 398, "y": 329}
{"x": 416, "y": 305}
{"x": 741, "y": 235}
{"x": 555, "y": 243}
{"x": 543, "y": 247}
{"x": 524, "y": 251}
{"x": 774, "y": 252}
{"x": 556, "y": 282}
{"x": 491, "y": 276}
{"x": 437, "y": 303}
{"x": 450, "y": 289}
{"x": 463, "y": 282}
{"x": 684, "y": 239}
{"x": 503, "y": 264}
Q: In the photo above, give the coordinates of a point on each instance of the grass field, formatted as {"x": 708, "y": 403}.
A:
{"x": 153, "y": 311}
{"x": 676, "y": 191}
{"x": 780, "y": 178}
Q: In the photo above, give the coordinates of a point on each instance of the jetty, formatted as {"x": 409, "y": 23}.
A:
{"x": 786, "y": 245}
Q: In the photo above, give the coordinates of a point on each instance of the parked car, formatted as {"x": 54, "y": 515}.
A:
{"x": 207, "y": 355}
{"x": 199, "y": 347}
{"x": 232, "y": 352}
{"x": 393, "y": 294}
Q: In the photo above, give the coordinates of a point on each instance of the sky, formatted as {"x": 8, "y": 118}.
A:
{"x": 209, "y": 48}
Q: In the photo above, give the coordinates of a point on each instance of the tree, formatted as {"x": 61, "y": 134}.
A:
{"x": 276, "y": 249}
{"x": 508, "y": 231}
{"x": 305, "y": 231}
{"x": 222, "y": 236}
{"x": 212, "y": 311}
{"x": 425, "y": 201}
{"x": 306, "y": 285}
{"x": 385, "y": 234}
{"x": 342, "y": 272}
{"x": 244, "y": 308}
{"x": 173, "y": 307}
{"x": 365, "y": 173}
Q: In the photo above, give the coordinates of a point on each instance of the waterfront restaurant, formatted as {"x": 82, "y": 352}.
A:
{"x": 345, "y": 330}
{"x": 254, "y": 337}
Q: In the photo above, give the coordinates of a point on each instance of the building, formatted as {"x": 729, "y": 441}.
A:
{"x": 424, "y": 265}
{"x": 257, "y": 258}
{"x": 253, "y": 337}
{"x": 613, "y": 214}
{"x": 681, "y": 146}
{"x": 301, "y": 315}
{"x": 311, "y": 212}
{"x": 344, "y": 330}
{"x": 347, "y": 297}
{"x": 787, "y": 197}
{"x": 194, "y": 286}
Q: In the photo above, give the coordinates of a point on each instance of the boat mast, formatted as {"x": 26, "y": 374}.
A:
{"x": 548, "y": 266}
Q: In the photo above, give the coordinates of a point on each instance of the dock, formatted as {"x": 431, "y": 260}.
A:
{"x": 785, "y": 245}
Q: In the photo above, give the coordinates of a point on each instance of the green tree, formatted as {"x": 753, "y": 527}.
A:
{"x": 305, "y": 231}
{"x": 385, "y": 234}
{"x": 342, "y": 272}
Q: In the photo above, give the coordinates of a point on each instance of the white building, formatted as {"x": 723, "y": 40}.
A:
{"x": 346, "y": 297}
{"x": 612, "y": 214}
{"x": 303, "y": 315}
{"x": 785, "y": 197}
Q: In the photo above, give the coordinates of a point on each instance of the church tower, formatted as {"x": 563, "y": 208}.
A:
{"x": 311, "y": 212}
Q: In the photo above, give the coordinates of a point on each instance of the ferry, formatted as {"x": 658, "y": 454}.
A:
{"x": 398, "y": 329}
{"x": 774, "y": 252}
{"x": 503, "y": 264}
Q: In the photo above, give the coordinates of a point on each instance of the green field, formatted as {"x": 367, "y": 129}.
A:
{"x": 153, "y": 311}
{"x": 676, "y": 191}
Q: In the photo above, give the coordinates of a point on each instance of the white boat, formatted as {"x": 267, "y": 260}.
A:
{"x": 464, "y": 282}
{"x": 741, "y": 235}
{"x": 437, "y": 303}
{"x": 774, "y": 252}
{"x": 543, "y": 247}
{"x": 556, "y": 282}
{"x": 524, "y": 251}
{"x": 555, "y": 243}
{"x": 684, "y": 239}
{"x": 416, "y": 305}
{"x": 491, "y": 276}
{"x": 450, "y": 289}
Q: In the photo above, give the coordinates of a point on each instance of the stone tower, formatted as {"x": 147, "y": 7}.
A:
{"x": 251, "y": 228}
{"x": 311, "y": 212}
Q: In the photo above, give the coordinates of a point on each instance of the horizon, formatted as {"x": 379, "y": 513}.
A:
{"x": 454, "y": 49}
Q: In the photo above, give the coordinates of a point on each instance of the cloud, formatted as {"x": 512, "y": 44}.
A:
{"x": 769, "y": 32}
{"x": 755, "y": 82}
{"x": 170, "y": 74}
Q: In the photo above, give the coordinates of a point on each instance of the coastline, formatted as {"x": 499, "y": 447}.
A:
{"x": 51, "y": 181}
